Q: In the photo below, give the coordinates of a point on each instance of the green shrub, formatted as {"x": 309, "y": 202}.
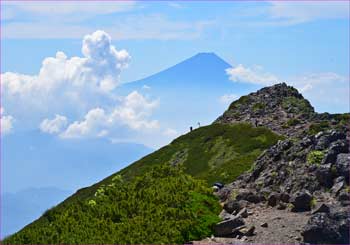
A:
{"x": 313, "y": 202}
{"x": 258, "y": 106}
{"x": 296, "y": 105}
{"x": 243, "y": 100}
{"x": 92, "y": 203}
{"x": 292, "y": 122}
{"x": 234, "y": 194}
{"x": 334, "y": 170}
{"x": 163, "y": 206}
{"x": 318, "y": 127}
{"x": 315, "y": 157}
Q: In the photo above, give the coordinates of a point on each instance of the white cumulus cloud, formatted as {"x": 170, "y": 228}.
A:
{"x": 255, "y": 75}
{"x": 6, "y": 122}
{"x": 99, "y": 69}
{"x": 133, "y": 113}
{"x": 67, "y": 85}
{"x": 92, "y": 123}
{"x": 327, "y": 91}
{"x": 55, "y": 125}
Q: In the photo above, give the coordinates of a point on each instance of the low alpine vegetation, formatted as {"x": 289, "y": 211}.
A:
{"x": 165, "y": 205}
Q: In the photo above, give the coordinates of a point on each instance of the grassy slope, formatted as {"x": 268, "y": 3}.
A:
{"x": 218, "y": 152}
{"x": 211, "y": 153}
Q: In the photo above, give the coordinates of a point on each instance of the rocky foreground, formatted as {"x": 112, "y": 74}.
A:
{"x": 298, "y": 190}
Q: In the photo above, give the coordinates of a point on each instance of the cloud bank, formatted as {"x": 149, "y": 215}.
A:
{"x": 82, "y": 93}
{"x": 68, "y": 85}
{"x": 132, "y": 113}
{"x": 98, "y": 70}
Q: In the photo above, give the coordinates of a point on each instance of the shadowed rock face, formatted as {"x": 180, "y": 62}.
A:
{"x": 304, "y": 176}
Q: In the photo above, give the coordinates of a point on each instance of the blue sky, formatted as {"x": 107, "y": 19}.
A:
{"x": 69, "y": 118}
{"x": 305, "y": 44}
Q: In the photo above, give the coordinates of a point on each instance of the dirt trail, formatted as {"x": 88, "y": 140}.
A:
{"x": 283, "y": 227}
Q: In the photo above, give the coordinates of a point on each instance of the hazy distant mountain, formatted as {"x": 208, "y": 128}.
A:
{"x": 34, "y": 159}
{"x": 35, "y": 167}
{"x": 192, "y": 88}
{"x": 23, "y": 207}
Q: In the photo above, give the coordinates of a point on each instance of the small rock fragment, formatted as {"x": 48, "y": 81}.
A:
{"x": 243, "y": 213}
{"x": 265, "y": 225}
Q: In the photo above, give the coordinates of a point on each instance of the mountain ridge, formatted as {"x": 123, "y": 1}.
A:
{"x": 285, "y": 175}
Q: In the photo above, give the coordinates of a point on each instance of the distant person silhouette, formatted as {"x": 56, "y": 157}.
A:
{"x": 256, "y": 123}
{"x": 191, "y": 129}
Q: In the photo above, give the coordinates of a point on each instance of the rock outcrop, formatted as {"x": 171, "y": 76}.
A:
{"x": 282, "y": 109}
{"x": 297, "y": 190}
{"x": 299, "y": 176}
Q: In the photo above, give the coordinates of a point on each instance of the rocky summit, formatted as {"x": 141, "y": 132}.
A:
{"x": 297, "y": 191}
{"x": 282, "y": 109}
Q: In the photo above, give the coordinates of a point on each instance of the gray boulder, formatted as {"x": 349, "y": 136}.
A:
{"x": 322, "y": 208}
{"x": 343, "y": 165}
{"x": 248, "y": 196}
{"x": 285, "y": 197}
{"x": 243, "y": 213}
{"x": 321, "y": 229}
{"x": 273, "y": 198}
{"x": 324, "y": 175}
{"x": 234, "y": 206}
{"x": 339, "y": 183}
{"x": 337, "y": 147}
{"x": 226, "y": 227}
{"x": 343, "y": 196}
{"x": 301, "y": 201}
{"x": 225, "y": 215}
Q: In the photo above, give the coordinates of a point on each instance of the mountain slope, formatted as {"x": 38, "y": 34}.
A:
{"x": 213, "y": 153}
{"x": 278, "y": 180}
{"x": 162, "y": 206}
